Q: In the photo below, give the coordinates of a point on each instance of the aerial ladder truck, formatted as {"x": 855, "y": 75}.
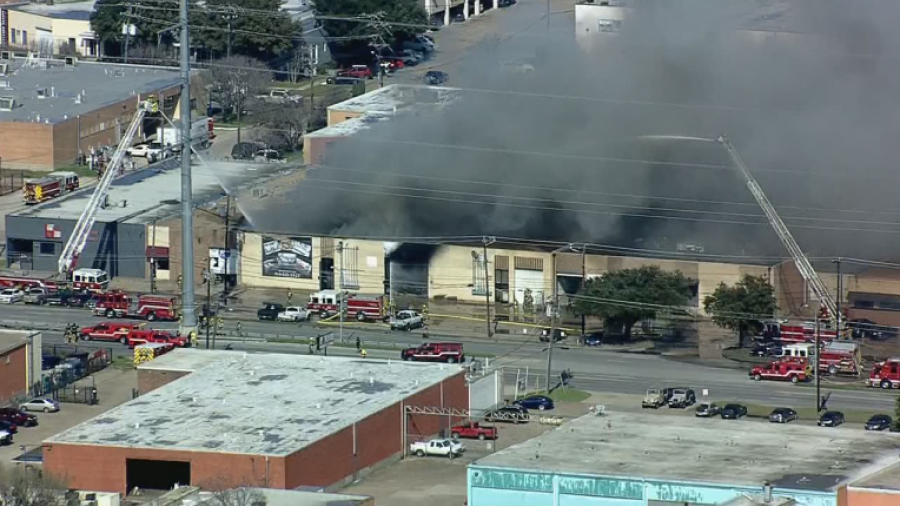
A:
{"x": 82, "y": 231}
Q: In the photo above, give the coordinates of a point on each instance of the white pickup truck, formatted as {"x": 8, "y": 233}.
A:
{"x": 407, "y": 320}
{"x": 439, "y": 447}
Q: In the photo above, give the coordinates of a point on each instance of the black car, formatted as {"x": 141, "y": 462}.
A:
{"x": 509, "y": 414}
{"x": 436, "y": 77}
{"x": 8, "y": 426}
{"x": 831, "y": 419}
{"x": 733, "y": 411}
{"x": 592, "y": 339}
{"x": 558, "y": 336}
{"x": 344, "y": 80}
{"x": 782, "y": 415}
{"x": 67, "y": 299}
{"x": 269, "y": 311}
{"x": 245, "y": 150}
{"x": 767, "y": 349}
{"x": 862, "y": 328}
{"x": 879, "y": 422}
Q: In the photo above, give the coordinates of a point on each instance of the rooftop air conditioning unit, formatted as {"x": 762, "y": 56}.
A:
{"x": 4, "y": 69}
{"x": 71, "y": 61}
{"x": 6, "y": 55}
{"x": 7, "y": 103}
{"x": 42, "y": 93}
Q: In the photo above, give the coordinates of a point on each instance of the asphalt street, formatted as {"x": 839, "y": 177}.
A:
{"x": 595, "y": 369}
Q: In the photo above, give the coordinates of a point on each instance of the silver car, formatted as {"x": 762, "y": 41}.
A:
{"x": 35, "y": 296}
{"x": 40, "y": 404}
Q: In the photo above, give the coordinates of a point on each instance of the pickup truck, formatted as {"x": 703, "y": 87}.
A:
{"x": 269, "y": 311}
{"x": 138, "y": 337}
{"x": 472, "y": 430}
{"x": 35, "y": 296}
{"x": 407, "y": 320}
{"x": 108, "y": 331}
{"x": 656, "y": 398}
{"x": 440, "y": 447}
{"x": 280, "y": 97}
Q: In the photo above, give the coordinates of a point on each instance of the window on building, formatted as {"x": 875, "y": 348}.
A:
{"x": 350, "y": 269}
{"x": 864, "y": 304}
{"x": 162, "y": 264}
{"x": 889, "y": 305}
{"x": 24, "y": 37}
{"x": 608, "y": 25}
{"x": 48, "y": 248}
{"x": 501, "y": 279}
{"x": 13, "y": 33}
{"x": 479, "y": 286}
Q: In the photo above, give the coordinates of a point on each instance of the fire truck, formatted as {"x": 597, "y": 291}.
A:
{"x": 835, "y": 357}
{"x": 84, "y": 280}
{"x": 789, "y": 332}
{"x": 138, "y": 337}
{"x": 782, "y": 370}
{"x": 885, "y": 374}
{"x": 435, "y": 352}
{"x": 53, "y": 185}
{"x": 361, "y": 307}
{"x": 149, "y": 307}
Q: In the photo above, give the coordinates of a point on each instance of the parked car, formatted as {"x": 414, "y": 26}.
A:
{"x": 879, "y": 422}
{"x": 268, "y": 155}
{"x": 733, "y": 411}
{"x": 293, "y": 314}
{"x": 9, "y": 427}
{"x": 539, "y": 402}
{"x": 245, "y": 150}
{"x": 343, "y": 80}
{"x": 409, "y": 53}
{"x": 436, "y": 77}
{"x": 439, "y": 447}
{"x": 407, "y": 320}
{"x": 473, "y": 430}
{"x": 270, "y": 311}
{"x": 5, "y": 438}
{"x": 766, "y": 349}
{"x": 707, "y": 410}
{"x": 863, "y": 328}
{"x": 558, "y": 336}
{"x": 357, "y": 71}
{"x": 18, "y": 417}
{"x": 782, "y": 415}
{"x": 68, "y": 299}
{"x": 831, "y": 419}
{"x": 40, "y": 404}
{"x": 656, "y": 397}
{"x": 140, "y": 150}
{"x": 682, "y": 398}
{"x": 11, "y": 295}
{"x": 592, "y": 339}
{"x": 35, "y": 296}
{"x": 509, "y": 414}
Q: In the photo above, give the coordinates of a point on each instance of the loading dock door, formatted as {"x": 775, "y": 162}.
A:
{"x": 156, "y": 474}
{"x": 533, "y": 280}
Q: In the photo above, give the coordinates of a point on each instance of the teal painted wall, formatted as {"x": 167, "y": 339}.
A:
{"x": 511, "y": 487}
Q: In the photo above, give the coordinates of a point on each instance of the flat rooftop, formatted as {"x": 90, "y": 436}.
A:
{"x": 886, "y": 479}
{"x": 350, "y": 126}
{"x": 154, "y": 193}
{"x": 10, "y": 339}
{"x": 100, "y": 84}
{"x": 305, "y": 399}
{"x": 193, "y": 496}
{"x": 187, "y": 360}
{"x": 80, "y": 11}
{"x": 685, "y": 449}
{"x": 395, "y": 97}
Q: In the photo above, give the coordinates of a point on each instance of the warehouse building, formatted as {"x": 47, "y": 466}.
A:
{"x": 53, "y": 112}
{"x": 263, "y": 420}
{"x": 20, "y": 361}
{"x": 622, "y": 459}
{"x": 140, "y": 221}
{"x": 50, "y": 28}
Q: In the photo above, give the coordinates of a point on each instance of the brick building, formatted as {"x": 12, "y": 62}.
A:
{"x": 18, "y": 362}
{"x": 275, "y": 421}
{"x": 52, "y": 111}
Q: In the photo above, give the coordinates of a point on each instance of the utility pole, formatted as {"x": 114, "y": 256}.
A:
{"x": 583, "y": 284}
{"x": 548, "y": 16}
{"x": 839, "y": 317}
{"x": 153, "y": 261}
{"x": 208, "y": 275}
{"x": 227, "y": 246}
{"x": 312, "y": 69}
{"x": 187, "y": 205}
{"x": 340, "y": 290}
{"x": 240, "y": 92}
{"x": 487, "y": 286}
{"x": 553, "y": 311}
{"x": 230, "y": 36}
{"x": 127, "y": 30}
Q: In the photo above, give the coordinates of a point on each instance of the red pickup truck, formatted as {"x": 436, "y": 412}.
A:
{"x": 108, "y": 331}
{"x": 358, "y": 71}
{"x": 138, "y": 337}
{"x": 472, "y": 430}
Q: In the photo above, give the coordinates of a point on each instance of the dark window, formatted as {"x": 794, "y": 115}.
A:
{"x": 501, "y": 279}
{"x": 893, "y": 306}
{"x": 162, "y": 264}
{"x": 48, "y": 248}
{"x": 865, "y": 304}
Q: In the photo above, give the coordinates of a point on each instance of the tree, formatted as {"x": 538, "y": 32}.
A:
{"x": 259, "y": 28}
{"x": 28, "y": 486}
{"x": 623, "y": 298}
{"x": 237, "y": 81}
{"x": 742, "y": 307}
{"x": 106, "y": 21}
{"x": 285, "y": 124}
{"x": 397, "y": 11}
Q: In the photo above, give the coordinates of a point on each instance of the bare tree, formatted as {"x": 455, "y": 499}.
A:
{"x": 298, "y": 66}
{"x": 27, "y": 486}
{"x": 241, "y": 496}
{"x": 238, "y": 79}
{"x": 282, "y": 124}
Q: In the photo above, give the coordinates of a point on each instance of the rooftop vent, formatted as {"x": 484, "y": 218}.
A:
{"x": 71, "y": 61}
{"x": 7, "y": 103}
{"x": 6, "y": 55}
{"x": 42, "y": 93}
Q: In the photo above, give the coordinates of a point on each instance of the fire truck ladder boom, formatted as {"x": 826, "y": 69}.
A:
{"x": 803, "y": 266}
{"x": 82, "y": 230}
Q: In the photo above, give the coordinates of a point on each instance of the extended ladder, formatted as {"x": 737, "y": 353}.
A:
{"x": 82, "y": 231}
{"x": 803, "y": 266}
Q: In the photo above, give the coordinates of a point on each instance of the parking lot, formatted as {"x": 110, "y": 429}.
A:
{"x": 114, "y": 386}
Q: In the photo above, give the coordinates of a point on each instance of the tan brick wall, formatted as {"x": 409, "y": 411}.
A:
{"x": 26, "y": 145}
{"x": 149, "y": 380}
{"x": 336, "y": 116}
{"x": 13, "y": 366}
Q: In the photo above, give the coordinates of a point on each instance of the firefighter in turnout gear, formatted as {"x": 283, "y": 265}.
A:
{"x": 425, "y": 312}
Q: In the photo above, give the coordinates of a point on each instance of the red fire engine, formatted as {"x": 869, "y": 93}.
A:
{"x": 150, "y": 307}
{"x": 92, "y": 280}
{"x": 794, "y": 372}
{"x": 361, "y": 307}
{"x": 885, "y": 374}
{"x": 46, "y": 188}
{"x": 797, "y": 332}
{"x": 138, "y": 337}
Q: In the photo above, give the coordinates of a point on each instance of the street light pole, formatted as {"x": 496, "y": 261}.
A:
{"x": 816, "y": 368}
{"x": 208, "y": 277}
{"x": 487, "y": 290}
{"x": 553, "y": 312}
{"x": 840, "y": 294}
